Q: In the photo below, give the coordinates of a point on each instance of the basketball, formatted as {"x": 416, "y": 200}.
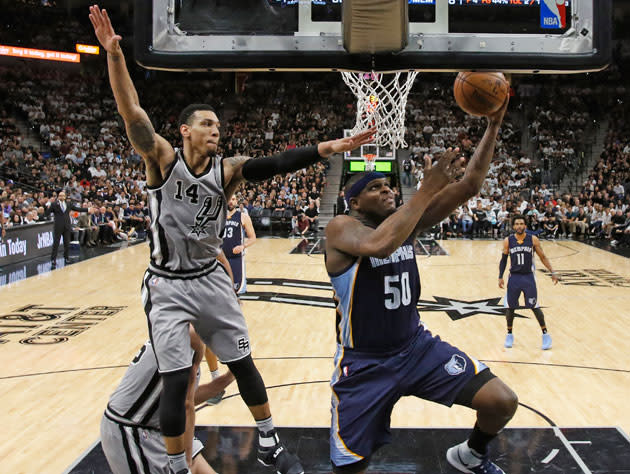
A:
{"x": 480, "y": 93}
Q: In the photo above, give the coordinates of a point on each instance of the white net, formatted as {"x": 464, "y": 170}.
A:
{"x": 381, "y": 103}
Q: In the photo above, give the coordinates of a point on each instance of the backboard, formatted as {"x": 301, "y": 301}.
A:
{"x": 444, "y": 35}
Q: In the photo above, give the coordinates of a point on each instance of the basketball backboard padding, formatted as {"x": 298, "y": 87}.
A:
{"x": 309, "y": 42}
{"x": 375, "y": 26}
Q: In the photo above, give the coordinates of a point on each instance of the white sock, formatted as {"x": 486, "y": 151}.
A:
{"x": 215, "y": 374}
{"x": 469, "y": 456}
{"x": 265, "y": 426}
{"x": 177, "y": 462}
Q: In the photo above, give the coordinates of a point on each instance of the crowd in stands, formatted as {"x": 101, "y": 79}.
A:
{"x": 560, "y": 122}
{"x": 84, "y": 150}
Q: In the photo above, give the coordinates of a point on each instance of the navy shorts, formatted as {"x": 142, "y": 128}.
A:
{"x": 366, "y": 386}
{"x": 237, "y": 264}
{"x": 521, "y": 283}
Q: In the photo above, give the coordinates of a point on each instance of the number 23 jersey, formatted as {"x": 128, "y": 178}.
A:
{"x": 377, "y": 301}
{"x": 188, "y": 215}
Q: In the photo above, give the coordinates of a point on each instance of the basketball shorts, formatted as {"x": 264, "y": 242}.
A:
{"x": 208, "y": 302}
{"x": 237, "y": 264}
{"x": 366, "y": 387}
{"x": 521, "y": 283}
{"x": 131, "y": 449}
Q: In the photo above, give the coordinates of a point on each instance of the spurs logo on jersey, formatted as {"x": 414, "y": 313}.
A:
{"x": 207, "y": 213}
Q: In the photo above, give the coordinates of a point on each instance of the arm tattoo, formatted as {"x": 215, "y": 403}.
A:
{"x": 142, "y": 135}
{"x": 236, "y": 162}
{"x": 233, "y": 176}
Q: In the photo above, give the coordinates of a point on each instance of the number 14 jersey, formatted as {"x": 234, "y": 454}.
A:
{"x": 188, "y": 215}
{"x": 376, "y": 301}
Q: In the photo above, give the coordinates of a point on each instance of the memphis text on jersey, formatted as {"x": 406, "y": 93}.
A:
{"x": 401, "y": 254}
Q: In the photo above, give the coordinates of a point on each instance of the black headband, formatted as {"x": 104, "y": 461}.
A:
{"x": 357, "y": 187}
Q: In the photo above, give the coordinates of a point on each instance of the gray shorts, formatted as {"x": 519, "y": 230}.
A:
{"x": 131, "y": 449}
{"x": 208, "y": 302}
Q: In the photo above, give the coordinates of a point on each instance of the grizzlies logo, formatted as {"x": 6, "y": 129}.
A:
{"x": 455, "y": 366}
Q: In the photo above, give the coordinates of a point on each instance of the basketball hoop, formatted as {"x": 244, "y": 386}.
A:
{"x": 381, "y": 103}
{"x": 370, "y": 161}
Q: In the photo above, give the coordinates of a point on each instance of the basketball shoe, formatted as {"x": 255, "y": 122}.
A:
{"x": 484, "y": 466}
{"x": 546, "y": 341}
{"x": 279, "y": 457}
{"x": 509, "y": 340}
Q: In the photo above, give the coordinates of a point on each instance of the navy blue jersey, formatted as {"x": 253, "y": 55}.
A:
{"x": 232, "y": 235}
{"x": 521, "y": 254}
{"x": 376, "y": 301}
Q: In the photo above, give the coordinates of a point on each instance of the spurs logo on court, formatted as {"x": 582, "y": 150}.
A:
{"x": 456, "y": 365}
{"x": 208, "y": 212}
{"x": 456, "y": 309}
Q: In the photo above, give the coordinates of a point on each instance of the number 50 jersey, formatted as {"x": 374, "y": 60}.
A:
{"x": 376, "y": 301}
{"x": 188, "y": 215}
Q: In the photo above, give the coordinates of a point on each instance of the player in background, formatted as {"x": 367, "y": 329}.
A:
{"x": 239, "y": 235}
{"x": 520, "y": 247}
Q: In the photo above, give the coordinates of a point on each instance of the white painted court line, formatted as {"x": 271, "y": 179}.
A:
{"x": 554, "y": 452}
{"x": 572, "y": 451}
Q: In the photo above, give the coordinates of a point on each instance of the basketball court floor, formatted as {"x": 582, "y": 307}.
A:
{"x": 67, "y": 336}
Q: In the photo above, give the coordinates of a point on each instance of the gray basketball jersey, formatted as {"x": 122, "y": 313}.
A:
{"x": 188, "y": 215}
{"x": 137, "y": 398}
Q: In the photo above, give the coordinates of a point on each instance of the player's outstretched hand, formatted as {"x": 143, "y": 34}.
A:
{"x": 325, "y": 149}
{"x": 446, "y": 170}
{"x": 104, "y": 30}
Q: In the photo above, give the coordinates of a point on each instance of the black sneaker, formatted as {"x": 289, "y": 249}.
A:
{"x": 279, "y": 457}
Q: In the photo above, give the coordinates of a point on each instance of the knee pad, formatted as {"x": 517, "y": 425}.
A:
{"x": 249, "y": 381}
{"x": 173, "y": 403}
{"x": 466, "y": 395}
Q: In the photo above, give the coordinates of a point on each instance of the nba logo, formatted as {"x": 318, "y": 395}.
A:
{"x": 553, "y": 14}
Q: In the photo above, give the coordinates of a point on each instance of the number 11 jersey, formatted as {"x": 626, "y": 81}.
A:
{"x": 377, "y": 301}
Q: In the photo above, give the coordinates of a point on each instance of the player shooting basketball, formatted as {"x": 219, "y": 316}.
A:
{"x": 383, "y": 350}
{"x": 187, "y": 281}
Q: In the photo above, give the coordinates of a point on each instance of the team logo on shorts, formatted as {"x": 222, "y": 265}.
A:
{"x": 532, "y": 301}
{"x": 456, "y": 365}
{"x": 243, "y": 344}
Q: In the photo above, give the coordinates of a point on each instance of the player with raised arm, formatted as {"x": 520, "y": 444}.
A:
{"x": 383, "y": 350}
{"x": 188, "y": 190}
{"x": 520, "y": 247}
